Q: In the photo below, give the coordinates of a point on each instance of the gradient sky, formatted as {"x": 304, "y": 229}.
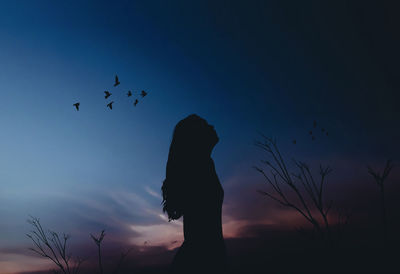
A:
{"x": 259, "y": 66}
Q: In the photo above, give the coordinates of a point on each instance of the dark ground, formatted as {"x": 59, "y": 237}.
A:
{"x": 352, "y": 251}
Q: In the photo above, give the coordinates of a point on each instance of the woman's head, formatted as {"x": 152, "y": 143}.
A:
{"x": 193, "y": 137}
{"x": 192, "y": 143}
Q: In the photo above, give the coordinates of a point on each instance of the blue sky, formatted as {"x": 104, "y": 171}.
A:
{"x": 263, "y": 66}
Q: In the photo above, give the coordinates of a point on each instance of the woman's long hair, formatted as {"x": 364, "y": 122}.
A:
{"x": 191, "y": 138}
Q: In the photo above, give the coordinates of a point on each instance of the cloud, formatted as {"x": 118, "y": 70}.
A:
{"x": 134, "y": 219}
{"x": 153, "y": 193}
{"x": 10, "y": 261}
{"x": 169, "y": 235}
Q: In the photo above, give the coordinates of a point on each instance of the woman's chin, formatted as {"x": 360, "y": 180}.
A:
{"x": 215, "y": 140}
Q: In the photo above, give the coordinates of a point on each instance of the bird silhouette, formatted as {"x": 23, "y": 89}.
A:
{"x": 107, "y": 94}
{"x": 77, "y": 106}
{"x": 116, "y": 81}
{"x": 136, "y": 102}
{"x": 310, "y": 132}
{"x": 129, "y": 93}
{"x": 327, "y": 133}
{"x": 315, "y": 123}
{"x": 143, "y": 93}
{"x": 294, "y": 141}
{"x": 110, "y": 104}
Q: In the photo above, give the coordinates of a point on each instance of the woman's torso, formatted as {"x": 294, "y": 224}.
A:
{"x": 202, "y": 215}
{"x": 203, "y": 249}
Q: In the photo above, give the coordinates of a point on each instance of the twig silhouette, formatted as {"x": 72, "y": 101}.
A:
{"x": 121, "y": 259}
{"x": 301, "y": 184}
{"x": 50, "y": 245}
{"x": 98, "y": 241}
{"x": 380, "y": 180}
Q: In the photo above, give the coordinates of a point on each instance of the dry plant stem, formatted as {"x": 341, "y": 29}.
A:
{"x": 51, "y": 246}
{"x": 98, "y": 243}
{"x": 380, "y": 181}
{"x": 301, "y": 184}
{"x": 314, "y": 190}
{"x": 121, "y": 259}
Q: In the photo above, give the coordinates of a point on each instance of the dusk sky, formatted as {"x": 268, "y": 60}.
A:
{"x": 245, "y": 66}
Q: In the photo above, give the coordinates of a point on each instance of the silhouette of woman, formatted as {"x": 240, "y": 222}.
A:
{"x": 192, "y": 189}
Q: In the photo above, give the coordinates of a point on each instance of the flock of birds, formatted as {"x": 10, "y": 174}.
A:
{"x": 142, "y": 94}
{"x": 314, "y": 131}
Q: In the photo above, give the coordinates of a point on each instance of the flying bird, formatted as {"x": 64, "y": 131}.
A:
{"x": 107, "y": 94}
{"x": 294, "y": 141}
{"x": 310, "y": 132}
{"x": 116, "y": 81}
{"x": 143, "y": 93}
{"x": 315, "y": 123}
{"x": 129, "y": 93}
{"x": 77, "y": 106}
{"x": 136, "y": 102}
{"x": 110, "y": 104}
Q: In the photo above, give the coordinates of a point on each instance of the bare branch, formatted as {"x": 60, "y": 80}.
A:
{"x": 98, "y": 241}
{"x": 380, "y": 180}
{"x": 50, "y": 245}
{"x": 301, "y": 186}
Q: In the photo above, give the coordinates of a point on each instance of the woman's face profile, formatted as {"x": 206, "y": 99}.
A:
{"x": 199, "y": 135}
{"x": 208, "y": 133}
{"x": 213, "y": 134}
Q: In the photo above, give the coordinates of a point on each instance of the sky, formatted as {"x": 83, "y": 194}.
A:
{"x": 246, "y": 67}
